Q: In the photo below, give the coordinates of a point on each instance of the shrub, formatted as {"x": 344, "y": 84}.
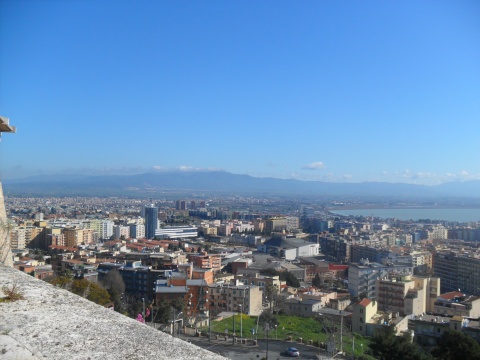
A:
{"x": 12, "y": 293}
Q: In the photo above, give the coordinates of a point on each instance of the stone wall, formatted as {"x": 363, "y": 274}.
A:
{"x": 52, "y": 323}
{"x": 5, "y": 252}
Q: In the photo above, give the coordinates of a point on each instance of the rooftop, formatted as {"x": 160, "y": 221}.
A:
{"x": 365, "y": 302}
{"x": 451, "y": 295}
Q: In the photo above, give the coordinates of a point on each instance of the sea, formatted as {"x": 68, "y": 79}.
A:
{"x": 454, "y": 215}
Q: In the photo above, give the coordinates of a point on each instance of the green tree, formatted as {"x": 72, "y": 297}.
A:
{"x": 178, "y": 304}
{"x": 134, "y": 307}
{"x": 456, "y": 345}
{"x": 272, "y": 297}
{"x": 289, "y": 278}
{"x": 115, "y": 286}
{"x": 317, "y": 281}
{"x": 91, "y": 291}
{"x": 114, "y": 280}
{"x": 385, "y": 345}
{"x": 286, "y": 276}
{"x": 267, "y": 317}
{"x": 162, "y": 312}
{"x": 64, "y": 280}
{"x": 270, "y": 272}
{"x": 228, "y": 268}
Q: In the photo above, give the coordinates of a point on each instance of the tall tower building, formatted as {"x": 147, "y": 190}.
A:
{"x": 180, "y": 205}
{"x": 151, "y": 221}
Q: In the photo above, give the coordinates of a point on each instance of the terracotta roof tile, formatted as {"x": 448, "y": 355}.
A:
{"x": 365, "y": 302}
{"x": 451, "y": 295}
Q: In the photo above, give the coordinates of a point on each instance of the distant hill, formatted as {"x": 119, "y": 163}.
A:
{"x": 223, "y": 182}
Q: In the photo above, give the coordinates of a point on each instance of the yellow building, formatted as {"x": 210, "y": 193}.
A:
{"x": 33, "y": 236}
{"x": 363, "y": 312}
{"x": 73, "y": 236}
{"x": 235, "y": 298}
{"x": 54, "y": 236}
{"x": 407, "y": 294}
{"x": 422, "y": 261}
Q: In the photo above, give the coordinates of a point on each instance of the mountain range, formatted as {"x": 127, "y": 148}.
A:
{"x": 222, "y": 182}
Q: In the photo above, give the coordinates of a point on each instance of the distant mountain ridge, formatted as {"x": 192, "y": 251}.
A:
{"x": 224, "y": 182}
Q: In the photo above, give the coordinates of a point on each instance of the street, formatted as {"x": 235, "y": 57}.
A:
{"x": 276, "y": 349}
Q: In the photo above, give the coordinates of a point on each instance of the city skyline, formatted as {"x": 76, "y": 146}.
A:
{"x": 341, "y": 92}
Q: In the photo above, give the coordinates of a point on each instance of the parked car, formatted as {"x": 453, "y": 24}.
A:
{"x": 292, "y": 352}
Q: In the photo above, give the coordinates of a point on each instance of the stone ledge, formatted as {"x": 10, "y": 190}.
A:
{"x": 52, "y": 323}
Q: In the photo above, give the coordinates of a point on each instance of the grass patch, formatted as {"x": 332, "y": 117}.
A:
{"x": 316, "y": 330}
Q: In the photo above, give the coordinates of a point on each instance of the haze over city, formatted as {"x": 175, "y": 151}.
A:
{"x": 239, "y": 180}
{"x": 330, "y": 91}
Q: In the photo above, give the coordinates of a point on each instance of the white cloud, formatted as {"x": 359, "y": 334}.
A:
{"x": 106, "y": 170}
{"x": 318, "y": 165}
{"x": 186, "y": 168}
{"x": 427, "y": 177}
{"x": 424, "y": 175}
{"x": 407, "y": 173}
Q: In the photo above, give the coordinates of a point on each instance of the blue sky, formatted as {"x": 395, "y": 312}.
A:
{"x": 316, "y": 90}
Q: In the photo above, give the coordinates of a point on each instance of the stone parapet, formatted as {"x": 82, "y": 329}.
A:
{"x": 52, "y": 323}
{"x": 5, "y": 252}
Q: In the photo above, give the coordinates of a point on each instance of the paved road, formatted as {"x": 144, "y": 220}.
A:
{"x": 276, "y": 349}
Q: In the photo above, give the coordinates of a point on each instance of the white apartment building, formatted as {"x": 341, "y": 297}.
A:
{"x": 176, "y": 232}
{"x": 103, "y": 227}
{"x": 17, "y": 237}
{"x": 438, "y": 232}
{"x": 121, "y": 231}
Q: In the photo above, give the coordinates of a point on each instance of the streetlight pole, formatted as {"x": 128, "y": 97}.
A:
{"x": 241, "y": 323}
{"x": 341, "y": 331}
{"x": 173, "y": 321}
{"x": 178, "y": 331}
{"x": 143, "y": 309}
{"x": 276, "y": 332}
{"x": 353, "y": 345}
{"x": 209, "y": 327}
{"x": 331, "y": 340}
{"x": 153, "y": 324}
{"x": 267, "y": 328}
